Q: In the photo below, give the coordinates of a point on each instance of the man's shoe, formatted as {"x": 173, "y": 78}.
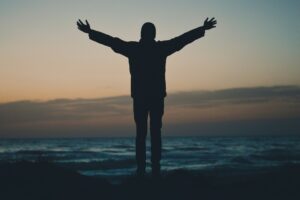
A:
{"x": 140, "y": 173}
{"x": 156, "y": 171}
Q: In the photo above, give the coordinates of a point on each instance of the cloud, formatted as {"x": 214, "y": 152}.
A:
{"x": 62, "y": 109}
{"x": 235, "y": 96}
{"x": 115, "y": 113}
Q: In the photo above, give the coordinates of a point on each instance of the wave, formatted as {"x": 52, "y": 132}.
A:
{"x": 241, "y": 160}
{"x": 97, "y": 165}
{"x": 46, "y": 152}
{"x": 278, "y": 155}
{"x": 191, "y": 148}
{"x": 51, "y": 156}
{"x": 38, "y": 152}
{"x": 122, "y": 146}
{"x": 111, "y": 156}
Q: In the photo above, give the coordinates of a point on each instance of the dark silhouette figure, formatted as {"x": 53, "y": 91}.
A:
{"x": 147, "y": 61}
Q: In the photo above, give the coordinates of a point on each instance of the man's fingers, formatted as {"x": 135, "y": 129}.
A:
{"x": 87, "y": 23}
{"x": 206, "y": 19}
{"x": 212, "y": 19}
{"x": 81, "y": 22}
{"x": 78, "y": 24}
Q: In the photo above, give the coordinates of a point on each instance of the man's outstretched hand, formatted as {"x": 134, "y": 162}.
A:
{"x": 84, "y": 27}
{"x": 209, "y": 24}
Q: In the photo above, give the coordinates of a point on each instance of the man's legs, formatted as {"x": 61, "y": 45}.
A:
{"x": 156, "y": 113}
{"x": 140, "y": 117}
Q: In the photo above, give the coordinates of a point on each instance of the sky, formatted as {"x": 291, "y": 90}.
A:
{"x": 51, "y": 74}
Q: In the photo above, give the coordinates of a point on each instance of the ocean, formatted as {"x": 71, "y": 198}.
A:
{"x": 115, "y": 157}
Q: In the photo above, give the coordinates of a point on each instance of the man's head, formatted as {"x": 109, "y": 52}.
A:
{"x": 148, "y": 31}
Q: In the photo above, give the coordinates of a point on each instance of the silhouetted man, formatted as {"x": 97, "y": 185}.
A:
{"x": 147, "y": 61}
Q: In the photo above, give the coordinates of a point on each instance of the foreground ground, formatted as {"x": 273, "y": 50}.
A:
{"x": 43, "y": 181}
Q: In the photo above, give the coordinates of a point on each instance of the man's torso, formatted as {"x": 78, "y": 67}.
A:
{"x": 147, "y": 63}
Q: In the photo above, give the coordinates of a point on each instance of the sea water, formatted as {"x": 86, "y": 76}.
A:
{"x": 116, "y": 156}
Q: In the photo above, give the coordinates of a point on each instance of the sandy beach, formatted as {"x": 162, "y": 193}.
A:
{"x": 43, "y": 180}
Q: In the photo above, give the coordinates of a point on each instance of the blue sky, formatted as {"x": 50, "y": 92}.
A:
{"x": 44, "y": 57}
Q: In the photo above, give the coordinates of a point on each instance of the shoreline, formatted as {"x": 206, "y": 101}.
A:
{"x": 43, "y": 180}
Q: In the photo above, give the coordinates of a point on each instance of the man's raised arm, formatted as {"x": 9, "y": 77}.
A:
{"x": 118, "y": 45}
{"x": 179, "y": 42}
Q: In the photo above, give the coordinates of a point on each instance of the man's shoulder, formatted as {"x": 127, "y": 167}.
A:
{"x": 132, "y": 42}
{"x": 159, "y": 41}
{"x": 162, "y": 43}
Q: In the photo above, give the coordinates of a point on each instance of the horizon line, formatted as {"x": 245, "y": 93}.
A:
{"x": 170, "y": 93}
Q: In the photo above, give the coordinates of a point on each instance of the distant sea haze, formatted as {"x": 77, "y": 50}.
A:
{"x": 113, "y": 157}
{"x": 235, "y": 111}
